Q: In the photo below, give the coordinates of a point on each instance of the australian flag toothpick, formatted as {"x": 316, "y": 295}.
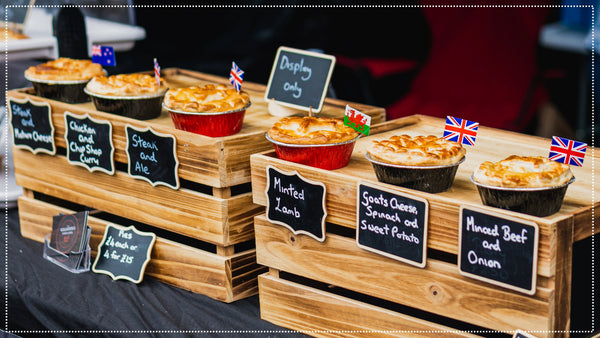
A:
{"x": 236, "y": 76}
{"x": 567, "y": 151}
{"x": 461, "y": 131}
{"x": 104, "y": 55}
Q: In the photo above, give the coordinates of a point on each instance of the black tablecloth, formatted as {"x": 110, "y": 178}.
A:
{"x": 45, "y": 299}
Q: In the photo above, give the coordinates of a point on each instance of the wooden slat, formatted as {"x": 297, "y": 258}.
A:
{"x": 560, "y": 303}
{"x": 171, "y": 262}
{"x": 322, "y": 314}
{"x": 218, "y": 162}
{"x": 438, "y": 288}
{"x": 492, "y": 144}
{"x": 184, "y": 211}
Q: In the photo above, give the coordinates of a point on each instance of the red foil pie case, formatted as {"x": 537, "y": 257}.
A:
{"x": 324, "y": 156}
{"x": 209, "y": 124}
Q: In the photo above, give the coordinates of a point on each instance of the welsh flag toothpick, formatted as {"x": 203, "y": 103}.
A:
{"x": 357, "y": 120}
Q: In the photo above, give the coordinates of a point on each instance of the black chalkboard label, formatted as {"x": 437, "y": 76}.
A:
{"x": 498, "y": 249}
{"x": 89, "y": 143}
{"x": 124, "y": 253}
{"x": 31, "y": 125}
{"x": 523, "y": 334}
{"x": 392, "y": 224}
{"x": 152, "y": 156}
{"x": 296, "y": 203}
{"x": 299, "y": 78}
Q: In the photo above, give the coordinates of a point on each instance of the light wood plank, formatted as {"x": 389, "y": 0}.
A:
{"x": 438, "y": 288}
{"x": 184, "y": 211}
{"x": 560, "y": 302}
{"x": 322, "y": 314}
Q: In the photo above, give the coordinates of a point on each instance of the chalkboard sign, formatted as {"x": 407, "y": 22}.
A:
{"x": 152, "y": 156}
{"x": 89, "y": 143}
{"x": 124, "y": 253}
{"x": 523, "y": 334}
{"x": 31, "y": 125}
{"x": 498, "y": 249}
{"x": 392, "y": 224}
{"x": 299, "y": 78}
{"x": 296, "y": 203}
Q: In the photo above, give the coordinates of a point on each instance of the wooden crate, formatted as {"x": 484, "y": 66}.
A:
{"x": 214, "y": 202}
{"x": 225, "y": 276}
{"x": 438, "y": 289}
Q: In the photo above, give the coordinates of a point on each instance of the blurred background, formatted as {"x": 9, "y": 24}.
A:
{"x": 526, "y": 69}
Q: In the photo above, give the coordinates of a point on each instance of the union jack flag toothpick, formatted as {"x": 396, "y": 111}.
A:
{"x": 157, "y": 72}
{"x": 236, "y": 76}
{"x": 461, "y": 131}
{"x": 567, "y": 151}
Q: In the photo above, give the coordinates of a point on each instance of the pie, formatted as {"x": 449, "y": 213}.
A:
{"x": 523, "y": 172}
{"x": 209, "y": 98}
{"x": 309, "y": 130}
{"x": 409, "y": 150}
{"x": 126, "y": 85}
{"x": 11, "y": 34}
{"x": 64, "y": 69}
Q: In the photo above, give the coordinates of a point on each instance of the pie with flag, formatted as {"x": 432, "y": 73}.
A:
{"x": 64, "y": 69}
{"x": 523, "y": 172}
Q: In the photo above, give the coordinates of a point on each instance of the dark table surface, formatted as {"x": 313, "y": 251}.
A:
{"x": 43, "y": 299}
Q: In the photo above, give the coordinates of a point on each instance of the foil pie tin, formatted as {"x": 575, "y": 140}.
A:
{"x": 539, "y": 202}
{"x": 432, "y": 179}
{"x": 142, "y": 107}
{"x": 209, "y": 124}
{"x": 324, "y": 156}
{"x": 65, "y": 91}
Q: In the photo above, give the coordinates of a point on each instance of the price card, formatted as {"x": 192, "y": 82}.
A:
{"x": 296, "y": 203}
{"x": 89, "y": 143}
{"x": 124, "y": 253}
{"x": 392, "y": 224}
{"x": 31, "y": 125}
{"x": 300, "y": 78}
{"x": 152, "y": 156}
{"x": 498, "y": 249}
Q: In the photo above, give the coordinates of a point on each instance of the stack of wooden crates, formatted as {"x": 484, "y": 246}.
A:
{"x": 205, "y": 230}
{"x": 335, "y": 288}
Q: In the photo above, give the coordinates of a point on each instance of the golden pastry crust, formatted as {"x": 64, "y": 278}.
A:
{"x": 416, "y": 151}
{"x": 523, "y": 172}
{"x": 209, "y": 98}
{"x": 311, "y": 130}
{"x": 11, "y": 34}
{"x": 64, "y": 69}
{"x": 126, "y": 85}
